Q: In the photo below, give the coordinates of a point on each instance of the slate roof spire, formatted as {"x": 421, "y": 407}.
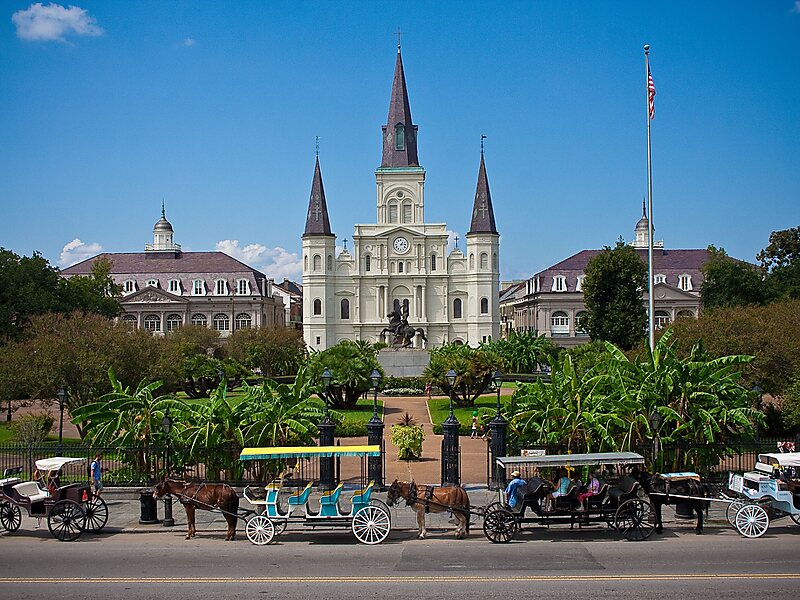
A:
{"x": 317, "y": 222}
{"x": 482, "y": 210}
{"x": 399, "y": 133}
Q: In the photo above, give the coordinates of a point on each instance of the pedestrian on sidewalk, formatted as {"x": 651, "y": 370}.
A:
{"x": 428, "y": 390}
{"x": 97, "y": 474}
{"x": 474, "y": 433}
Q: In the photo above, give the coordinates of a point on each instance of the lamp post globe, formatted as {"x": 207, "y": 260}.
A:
{"x": 450, "y": 376}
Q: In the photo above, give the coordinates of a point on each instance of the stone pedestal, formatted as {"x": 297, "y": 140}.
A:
{"x": 403, "y": 362}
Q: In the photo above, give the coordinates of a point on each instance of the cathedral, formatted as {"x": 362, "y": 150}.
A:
{"x": 400, "y": 263}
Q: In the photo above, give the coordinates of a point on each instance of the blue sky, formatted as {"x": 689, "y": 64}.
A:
{"x": 108, "y": 107}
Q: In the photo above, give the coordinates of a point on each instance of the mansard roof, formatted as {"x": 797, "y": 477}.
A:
{"x": 147, "y": 262}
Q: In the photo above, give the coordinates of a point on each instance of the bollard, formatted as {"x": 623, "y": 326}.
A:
{"x": 148, "y": 514}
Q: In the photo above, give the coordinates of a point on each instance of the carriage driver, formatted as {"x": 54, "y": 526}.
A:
{"x": 515, "y": 489}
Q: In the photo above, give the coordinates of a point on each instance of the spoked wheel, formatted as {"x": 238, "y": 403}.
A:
{"x": 733, "y": 508}
{"x": 280, "y": 525}
{"x": 65, "y": 520}
{"x": 96, "y": 514}
{"x": 260, "y": 530}
{"x": 381, "y": 504}
{"x": 751, "y": 521}
{"x": 636, "y": 519}
{"x": 10, "y": 516}
{"x": 371, "y": 525}
{"x": 500, "y": 526}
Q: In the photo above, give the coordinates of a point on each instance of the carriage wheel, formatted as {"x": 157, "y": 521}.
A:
{"x": 500, "y": 525}
{"x": 636, "y": 519}
{"x": 10, "y": 516}
{"x": 371, "y": 525}
{"x": 733, "y": 508}
{"x": 65, "y": 520}
{"x": 96, "y": 514}
{"x": 381, "y": 504}
{"x": 752, "y": 521}
{"x": 280, "y": 525}
{"x": 259, "y": 530}
{"x": 494, "y": 506}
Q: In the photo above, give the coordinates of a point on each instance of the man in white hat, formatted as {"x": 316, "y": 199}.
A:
{"x": 515, "y": 490}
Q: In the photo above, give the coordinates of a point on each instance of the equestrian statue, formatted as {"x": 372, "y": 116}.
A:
{"x": 403, "y": 332}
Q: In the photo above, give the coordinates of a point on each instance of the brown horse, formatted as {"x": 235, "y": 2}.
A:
{"x": 427, "y": 498}
{"x": 205, "y": 496}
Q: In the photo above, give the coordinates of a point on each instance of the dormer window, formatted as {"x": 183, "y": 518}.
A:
{"x": 399, "y": 137}
{"x": 685, "y": 283}
{"x": 130, "y": 286}
{"x": 579, "y": 284}
{"x": 152, "y": 283}
{"x": 242, "y": 287}
{"x": 198, "y": 287}
{"x": 175, "y": 286}
{"x": 660, "y": 278}
{"x": 559, "y": 283}
{"x": 221, "y": 287}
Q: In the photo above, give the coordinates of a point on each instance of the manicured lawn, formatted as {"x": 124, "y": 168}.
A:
{"x": 7, "y": 437}
{"x": 485, "y": 405}
{"x": 5, "y": 433}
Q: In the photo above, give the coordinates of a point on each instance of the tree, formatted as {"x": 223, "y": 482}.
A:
{"x": 474, "y": 368}
{"x": 612, "y": 290}
{"x": 275, "y": 351}
{"x": 351, "y": 366}
{"x": 782, "y": 259}
{"x": 93, "y": 293}
{"x": 524, "y": 352}
{"x": 729, "y": 282}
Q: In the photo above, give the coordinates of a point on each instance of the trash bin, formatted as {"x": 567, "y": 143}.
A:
{"x": 148, "y": 515}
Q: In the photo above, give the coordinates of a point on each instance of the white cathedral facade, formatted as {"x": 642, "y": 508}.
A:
{"x": 400, "y": 262}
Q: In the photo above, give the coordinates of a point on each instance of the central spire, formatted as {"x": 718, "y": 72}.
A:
{"x": 399, "y": 133}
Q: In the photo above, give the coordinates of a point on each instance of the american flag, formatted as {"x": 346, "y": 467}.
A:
{"x": 651, "y": 94}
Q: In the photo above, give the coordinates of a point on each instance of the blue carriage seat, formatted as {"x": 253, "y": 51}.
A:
{"x": 361, "y": 498}
{"x": 301, "y": 497}
{"x": 273, "y": 490}
{"x": 328, "y": 503}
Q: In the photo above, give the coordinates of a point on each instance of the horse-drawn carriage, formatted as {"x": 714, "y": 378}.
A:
{"x": 770, "y": 491}
{"x": 622, "y": 505}
{"x": 287, "y": 503}
{"x": 70, "y": 509}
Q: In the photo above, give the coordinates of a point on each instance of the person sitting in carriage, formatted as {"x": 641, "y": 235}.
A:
{"x": 515, "y": 491}
{"x": 592, "y": 489}
{"x": 561, "y": 487}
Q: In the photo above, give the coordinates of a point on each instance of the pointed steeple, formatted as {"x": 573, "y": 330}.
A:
{"x": 317, "y": 222}
{"x": 482, "y": 210}
{"x": 399, "y": 133}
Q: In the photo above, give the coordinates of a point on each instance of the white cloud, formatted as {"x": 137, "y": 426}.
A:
{"x": 76, "y": 251}
{"x": 189, "y": 42}
{"x": 796, "y": 7}
{"x": 40, "y": 23}
{"x": 276, "y": 263}
{"x": 451, "y": 240}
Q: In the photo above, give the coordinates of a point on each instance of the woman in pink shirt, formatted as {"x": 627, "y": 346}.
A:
{"x": 591, "y": 490}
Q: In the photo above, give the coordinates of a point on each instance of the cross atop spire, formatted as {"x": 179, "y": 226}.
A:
{"x": 163, "y": 211}
{"x": 398, "y": 33}
{"x": 644, "y": 210}
{"x": 317, "y": 147}
{"x": 483, "y": 137}
{"x": 317, "y": 222}
{"x": 482, "y": 211}
{"x": 399, "y": 133}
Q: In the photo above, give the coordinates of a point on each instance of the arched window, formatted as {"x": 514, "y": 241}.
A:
{"x": 457, "y": 308}
{"x": 221, "y": 287}
{"x": 399, "y": 137}
{"x": 393, "y": 213}
{"x": 152, "y": 283}
{"x": 494, "y": 260}
{"x": 433, "y": 262}
{"x": 405, "y": 306}
{"x": 222, "y": 322}
{"x": 242, "y": 287}
{"x": 200, "y": 319}
{"x": 559, "y": 283}
{"x": 579, "y": 283}
{"x": 684, "y": 314}
{"x": 130, "y": 286}
{"x": 317, "y": 306}
{"x": 175, "y": 286}
{"x": 367, "y": 263}
{"x": 317, "y": 262}
{"x": 484, "y": 260}
{"x": 305, "y": 263}
{"x": 661, "y": 319}
{"x": 407, "y": 213}
{"x": 396, "y": 305}
{"x": 174, "y": 321}
{"x": 559, "y": 323}
{"x": 330, "y": 263}
{"x": 685, "y": 283}
{"x": 198, "y": 287}
{"x": 400, "y": 267}
{"x": 484, "y": 306}
{"x": 130, "y": 321}
{"x": 471, "y": 261}
{"x": 243, "y": 321}
{"x": 152, "y": 323}
{"x": 345, "y": 308}
{"x": 660, "y": 278}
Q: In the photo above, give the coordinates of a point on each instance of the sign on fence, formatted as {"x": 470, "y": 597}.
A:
{"x": 533, "y": 452}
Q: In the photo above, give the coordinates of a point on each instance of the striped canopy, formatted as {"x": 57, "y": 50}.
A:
{"x": 309, "y": 452}
{"x": 573, "y": 460}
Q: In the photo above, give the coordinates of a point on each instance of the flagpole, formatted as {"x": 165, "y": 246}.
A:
{"x": 650, "y": 303}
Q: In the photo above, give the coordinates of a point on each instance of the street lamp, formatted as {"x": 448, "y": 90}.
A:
{"x": 326, "y": 383}
{"x": 498, "y": 383}
{"x": 451, "y": 382}
{"x": 375, "y": 378}
{"x": 62, "y": 396}
{"x": 326, "y": 429}
{"x": 655, "y": 421}
{"x": 758, "y": 391}
{"x": 166, "y": 427}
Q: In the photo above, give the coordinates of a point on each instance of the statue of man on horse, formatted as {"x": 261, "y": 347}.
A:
{"x": 403, "y": 332}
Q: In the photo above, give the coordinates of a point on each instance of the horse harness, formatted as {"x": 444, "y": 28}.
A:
{"x": 413, "y": 496}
